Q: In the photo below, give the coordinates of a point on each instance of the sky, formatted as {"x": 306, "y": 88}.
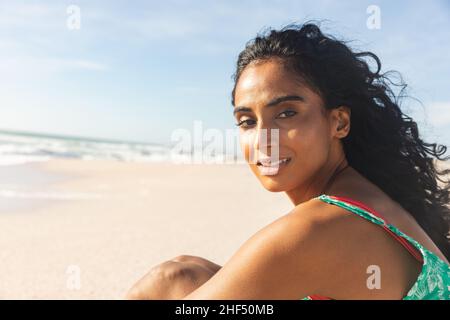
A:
{"x": 138, "y": 70}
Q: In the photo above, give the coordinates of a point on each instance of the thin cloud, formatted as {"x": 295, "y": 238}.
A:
{"x": 28, "y": 15}
{"x": 84, "y": 65}
{"x": 18, "y": 69}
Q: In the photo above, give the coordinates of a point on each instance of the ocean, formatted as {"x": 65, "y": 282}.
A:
{"x": 24, "y": 185}
{"x": 23, "y": 147}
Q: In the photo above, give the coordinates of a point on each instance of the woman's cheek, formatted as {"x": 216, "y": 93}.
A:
{"x": 247, "y": 139}
{"x": 297, "y": 137}
{"x": 292, "y": 134}
{"x": 305, "y": 144}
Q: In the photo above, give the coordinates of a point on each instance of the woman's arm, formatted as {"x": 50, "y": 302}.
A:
{"x": 288, "y": 259}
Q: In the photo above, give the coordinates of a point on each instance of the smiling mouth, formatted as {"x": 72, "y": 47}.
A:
{"x": 269, "y": 164}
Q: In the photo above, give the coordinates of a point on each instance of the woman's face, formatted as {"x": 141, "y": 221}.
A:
{"x": 269, "y": 97}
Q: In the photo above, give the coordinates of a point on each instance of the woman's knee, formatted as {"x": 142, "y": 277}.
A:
{"x": 174, "y": 271}
{"x": 164, "y": 281}
{"x": 198, "y": 260}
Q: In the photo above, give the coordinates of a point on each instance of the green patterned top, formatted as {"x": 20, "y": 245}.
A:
{"x": 433, "y": 282}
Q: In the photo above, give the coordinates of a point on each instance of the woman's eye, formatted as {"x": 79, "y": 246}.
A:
{"x": 240, "y": 123}
{"x": 290, "y": 112}
{"x": 287, "y": 113}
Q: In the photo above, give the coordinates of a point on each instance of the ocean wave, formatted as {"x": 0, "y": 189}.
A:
{"x": 20, "y": 148}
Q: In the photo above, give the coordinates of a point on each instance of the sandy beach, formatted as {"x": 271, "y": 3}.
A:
{"x": 90, "y": 229}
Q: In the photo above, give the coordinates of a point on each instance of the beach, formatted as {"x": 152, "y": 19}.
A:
{"x": 79, "y": 229}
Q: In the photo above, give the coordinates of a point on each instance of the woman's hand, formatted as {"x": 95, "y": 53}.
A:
{"x": 173, "y": 279}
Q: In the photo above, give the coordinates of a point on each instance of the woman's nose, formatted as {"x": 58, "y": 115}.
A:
{"x": 266, "y": 142}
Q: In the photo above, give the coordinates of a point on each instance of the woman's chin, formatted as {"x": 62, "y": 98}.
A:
{"x": 273, "y": 180}
{"x": 273, "y": 184}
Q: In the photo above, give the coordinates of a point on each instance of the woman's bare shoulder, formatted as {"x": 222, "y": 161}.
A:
{"x": 286, "y": 259}
{"x": 321, "y": 219}
{"x": 358, "y": 247}
{"x": 316, "y": 248}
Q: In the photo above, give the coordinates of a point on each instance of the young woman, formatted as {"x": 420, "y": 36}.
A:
{"x": 370, "y": 220}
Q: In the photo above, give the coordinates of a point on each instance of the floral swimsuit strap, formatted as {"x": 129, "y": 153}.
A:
{"x": 434, "y": 280}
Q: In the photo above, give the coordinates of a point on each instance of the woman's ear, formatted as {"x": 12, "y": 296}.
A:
{"x": 341, "y": 121}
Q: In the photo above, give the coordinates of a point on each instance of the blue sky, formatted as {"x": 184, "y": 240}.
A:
{"x": 139, "y": 70}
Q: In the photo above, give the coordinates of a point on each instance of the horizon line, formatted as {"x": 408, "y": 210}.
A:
{"x": 73, "y": 137}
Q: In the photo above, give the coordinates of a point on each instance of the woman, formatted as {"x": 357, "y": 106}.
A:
{"x": 370, "y": 220}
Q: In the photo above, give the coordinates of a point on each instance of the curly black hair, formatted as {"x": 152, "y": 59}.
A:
{"x": 383, "y": 143}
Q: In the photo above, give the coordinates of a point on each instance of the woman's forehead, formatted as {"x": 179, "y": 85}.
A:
{"x": 263, "y": 82}
{"x": 264, "y": 73}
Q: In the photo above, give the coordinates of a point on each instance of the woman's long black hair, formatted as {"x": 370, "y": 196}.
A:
{"x": 383, "y": 143}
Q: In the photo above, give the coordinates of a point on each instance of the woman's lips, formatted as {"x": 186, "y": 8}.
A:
{"x": 271, "y": 168}
{"x": 268, "y": 163}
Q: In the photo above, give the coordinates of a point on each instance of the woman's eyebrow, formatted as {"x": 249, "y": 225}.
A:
{"x": 272, "y": 103}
